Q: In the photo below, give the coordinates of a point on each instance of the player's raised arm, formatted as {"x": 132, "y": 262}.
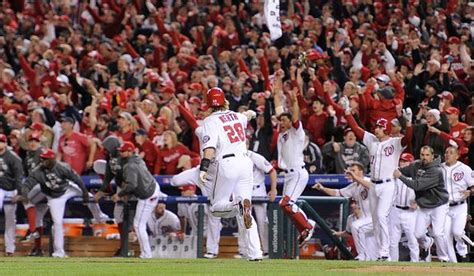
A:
{"x": 277, "y": 88}
{"x": 408, "y": 115}
{"x": 295, "y": 114}
{"x": 359, "y": 132}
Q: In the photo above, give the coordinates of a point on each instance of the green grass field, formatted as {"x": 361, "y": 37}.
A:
{"x": 117, "y": 266}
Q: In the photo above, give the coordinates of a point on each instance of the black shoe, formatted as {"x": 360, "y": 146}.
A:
{"x": 25, "y": 237}
{"x": 425, "y": 254}
{"x": 118, "y": 253}
{"x": 30, "y": 237}
{"x": 382, "y": 259}
{"x": 465, "y": 259}
{"x": 256, "y": 260}
{"x": 36, "y": 252}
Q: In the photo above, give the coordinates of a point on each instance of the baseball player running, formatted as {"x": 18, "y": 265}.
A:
{"x": 403, "y": 216}
{"x": 113, "y": 171}
{"x": 290, "y": 147}
{"x": 384, "y": 154}
{"x": 432, "y": 198}
{"x": 459, "y": 178}
{"x": 224, "y": 146}
{"x": 60, "y": 183}
{"x": 11, "y": 173}
{"x": 361, "y": 228}
{"x": 137, "y": 180}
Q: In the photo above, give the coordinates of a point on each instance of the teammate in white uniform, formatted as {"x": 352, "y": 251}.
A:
{"x": 291, "y": 159}
{"x": 384, "y": 154}
{"x": 188, "y": 212}
{"x": 224, "y": 145}
{"x": 459, "y": 178}
{"x": 361, "y": 228}
{"x": 261, "y": 167}
{"x": 163, "y": 222}
{"x": 403, "y": 216}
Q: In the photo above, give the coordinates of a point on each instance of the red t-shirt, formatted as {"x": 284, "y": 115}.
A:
{"x": 74, "y": 151}
{"x": 315, "y": 126}
{"x": 455, "y": 131}
{"x": 168, "y": 159}
{"x": 151, "y": 152}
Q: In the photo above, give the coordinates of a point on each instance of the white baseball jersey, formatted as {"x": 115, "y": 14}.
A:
{"x": 384, "y": 156}
{"x": 360, "y": 194}
{"x": 457, "y": 178}
{"x": 190, "y": 212}
{"x": 167, "y": 223}
{"x": 260, "y": 167}
{"x": 404, "y": 195}
{"x": 290, "y": 147}
{"x": 225, "y": 131}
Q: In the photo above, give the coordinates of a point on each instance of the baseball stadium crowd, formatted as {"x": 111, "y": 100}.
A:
{"x": 75, "y": 72}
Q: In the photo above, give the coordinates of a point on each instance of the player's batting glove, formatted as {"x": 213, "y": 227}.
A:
{"x": 250, "y": 114}
{"x": 345, "y": 104}
{"x": 205, "y": 162}
{"x": 408, "y": 114}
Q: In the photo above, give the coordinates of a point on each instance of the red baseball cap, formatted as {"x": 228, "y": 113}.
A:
{"x": 454, "y": 40}
{"x": 196, "y": 86}
{"x": 126, "y": 146}
{"x": 22, "y": 117}
{"x": 188, "y": 187}
{"x": 48, "y": 154}
{"x": 3, "y": 138}
{"x": 37, "y": 126}
{"x": 452, "y": 110}
{"x": 407, "y": 157}
{"x": 446, "y": 95}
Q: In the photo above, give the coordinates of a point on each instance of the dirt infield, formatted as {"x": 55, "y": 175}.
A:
{"x": 411, "y": 269}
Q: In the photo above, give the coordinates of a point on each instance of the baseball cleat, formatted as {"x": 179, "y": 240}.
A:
{"x": 118, "y": 253}
{"x": 256, "y": 260}
{"x": 8, "y": 254}
{"x": 36, "y": 252}
{"x": 30, "y": 237}
{"x": 306, "y": 235}
{"x": 210, "y": 256}
{"x": 383, "y": 259}
{"x": 425, "y": 254}
{"x": 247, "y": 213}
{"x": 239, "y": 256}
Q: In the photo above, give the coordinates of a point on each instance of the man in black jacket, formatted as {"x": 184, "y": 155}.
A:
{"x": 425, "y": 177}
{"x": 138, "y": 181}
{"x": 60, "y": 183}
{"x": 11, "y": 173}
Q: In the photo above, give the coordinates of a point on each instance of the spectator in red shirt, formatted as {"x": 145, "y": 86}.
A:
{"x": 75, "y": 148}
{"x": 455, "y": 127}
{"x": 169, "y": 155}
{"x": 126, "y": 127}
{"x": 147, "y": 150}
{"x": 319, "y": 124}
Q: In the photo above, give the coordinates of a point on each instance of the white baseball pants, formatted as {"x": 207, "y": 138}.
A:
{"x": 455, "y": 223}
{"x": 143, "y": 213}
{"x": 234, "y": 178}
{"x": 403, "y": 221}
{"x": 437, "y": 218}
{"x": 35, "y": 196}
{"x": 214, "y": 225}
{"x": 10, "y": 219}
{"x": 56, "y": 208}
{"x": 381, "y": 198}
{"x": 364, "y": 239}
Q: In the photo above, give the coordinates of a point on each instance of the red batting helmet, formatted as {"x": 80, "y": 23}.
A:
{"x": 215, "y": 97}
{"x": 383, "y": 123}
{"x": 48, "y": 154}
{"x": 407, "y": 157}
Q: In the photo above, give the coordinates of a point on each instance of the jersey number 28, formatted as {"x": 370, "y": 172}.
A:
{"x": 235, "y": 133}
